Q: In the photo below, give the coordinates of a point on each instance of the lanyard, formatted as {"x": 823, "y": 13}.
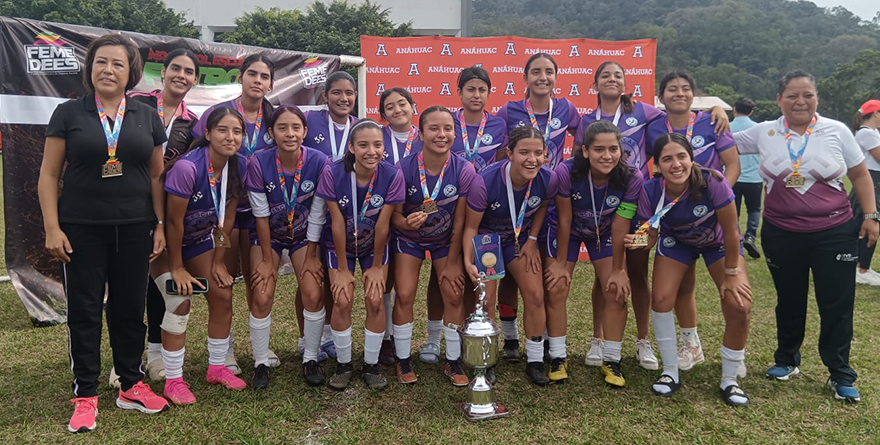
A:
{"x": 250, "y": 142}
{"x": 160, "y": 107}
{"x": 534, "y": 121}
{"x": 690, "y": 128}
{"x": 290, "y": 201}
{"x": 616, "y": 114}
{"x": 366, "y": 201}
{"x": 516, "y": 220}
{"x": 409, "y": 142}
{"x": 660, "y": 211}
{"x": 337, "y": 151}
{"x": 111, "y": 135}
{"x": 797, "y": 156}
{"x": 423, "y": 179}
{"x": 219, "y": 204}
{"x": 597, "y": 217}
{"x": 471, "y": 154}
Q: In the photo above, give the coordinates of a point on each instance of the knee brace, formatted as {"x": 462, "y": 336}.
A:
{"x": 172, "y": 323}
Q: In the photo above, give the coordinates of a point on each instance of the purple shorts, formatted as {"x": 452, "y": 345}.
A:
{"x": 366, "y": 261}
{"x": 669, "y": 247}
{"x": 548, "y": 246}
{"x": 279, "y": 246}
{"x": 508, "y": 251}
{"x": 191, "y": 251}
{"x": 245, "y": 221}
{"x": 418, "y": 250}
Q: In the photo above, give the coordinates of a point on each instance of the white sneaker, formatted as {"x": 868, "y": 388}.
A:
{"x": 870, "y": 278}
{"x": 156, "y": 369}
{"x": 274, "y": 361}
{"x": 646, "y": 356}
{"x": 594, "y": 357}
{"x": 232, "y": 365}
{"x": 114, "y": 378}
{"x": 690, "y": 356}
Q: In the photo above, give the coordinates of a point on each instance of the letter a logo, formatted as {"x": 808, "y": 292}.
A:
{"x": 509, "y": 90}
{"x": 638, "y": 52}
{"x": 445, "y": 51}
{"x": 510, "y": 49}
{"x": 413, "y": 68}
{"x": 444, "y": 91}
{"x": 574, "y": 51}
{"x": 381, "y": 50}
{"x": 574, "y": 90}
{"x": 637, "y": 91}
{"x": 381, "y": 89}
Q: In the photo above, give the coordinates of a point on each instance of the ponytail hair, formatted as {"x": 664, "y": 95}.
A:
{"x": 696, "y": 182}
{"x": 858, "y": 121}
{"x": 626, "y": 100}
{"x": 361, "y": 125}
{"x": 619, "y": 177}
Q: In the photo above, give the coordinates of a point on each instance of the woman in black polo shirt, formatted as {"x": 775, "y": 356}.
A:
{"x": 103, "y": 228}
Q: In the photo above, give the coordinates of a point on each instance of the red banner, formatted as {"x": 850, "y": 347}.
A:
{"x": 428, "y": 68}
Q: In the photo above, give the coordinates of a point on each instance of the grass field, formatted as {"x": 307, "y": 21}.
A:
{"x": 36, "y": 379}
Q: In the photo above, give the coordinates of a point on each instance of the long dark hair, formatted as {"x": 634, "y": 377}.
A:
{"x": 473, "y": 72}
{"x": 235, "y": 187}
{"x": 529, "y": 63}
{"x": 292, "y": 109}
{"x": 183, "y": 52}
{"x": 252, "y": 59}
{"x": 361, "y": 125}
{"x": 401, "y": 91}
{"x": 618, "y": 179}
{"x": 625, "y": 99}
{"x": 697, "y": 183}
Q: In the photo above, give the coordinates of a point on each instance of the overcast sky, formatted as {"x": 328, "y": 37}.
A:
{"x": 866, "y": 9}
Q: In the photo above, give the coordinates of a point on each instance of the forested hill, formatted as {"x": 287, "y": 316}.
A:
{"x": 744, "y": 45}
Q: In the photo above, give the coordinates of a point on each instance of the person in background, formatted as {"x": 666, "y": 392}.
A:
{"x": 865, "y": 125}
{"x": 749, "y": 184}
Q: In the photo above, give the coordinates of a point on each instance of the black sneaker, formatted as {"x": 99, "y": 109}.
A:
{"x": 340, "y": 379}
{"x": 387, "y": 354}
{"x": 535, "y": 371}
{"x": 261, "y": 377}
{"x": 511, "y": 350}
{"x": 751, "y": 247}
{"x": 312, "y": 371}
{"x": 373, "y": 378}
{"x": 490, "y": 376}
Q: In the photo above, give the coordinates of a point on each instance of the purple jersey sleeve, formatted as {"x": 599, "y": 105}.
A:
{"x": 719, "y": 190}
{"x": 502, "y": 113}
{"x": 395, "y": 194}
{"x": 574, "y": 122}
{"x": 634, "y": 187}
{"x": 652, "y": 113}
{"x": 563, "y": 180}
{"x": 724, "y": 141}
{"x": 326, "y": 185}
{"x": 476, "y": 198}
{"x": 253, "y": 178}
{"x": 198, "y": 129}
{"x": 646, "y": 208}
{"x": 181, "y": 179}
{"x": 552, "y": 186}
{"x": 466, "y": 179}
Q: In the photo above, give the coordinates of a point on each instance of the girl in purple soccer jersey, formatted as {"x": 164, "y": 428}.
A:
{"x": 553, "y": 117}
{"x": 431, "y": 220}
{"x": 361, "y": 192}
{"x": 597, "y": 199}
{"x": 203, "y": 188}
{"x": 691, "y": 211}
{"x": 281, "y": 182}
{"x": 711, "y": 150}
{"x": 256, "y": 76}
{"x": 511, "y": 199}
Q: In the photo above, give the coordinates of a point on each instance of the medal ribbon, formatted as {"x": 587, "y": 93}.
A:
{"x": 111, "y": 135}
{"x": 597, "y": 217}
{"x": 250, "y": 142}
{"x": 409, "y": 142}
{"x": 471, "y": 154}
{"x": 690, "y": 127}
{"x": 616, "y": 114}
{"x": 331, "y": 128}
{"x": 654, "y": 221}
{"x": 290, "y": 201}
{"x": 797, "y": 156}
{"x": 219, "y": 204}
{"x": 424, "y": 180}
{"x": 516, "y": 220}
{"x": 160, "y": 107}
{"x": 358, "y": 220}
{"x": 534, "y": 121}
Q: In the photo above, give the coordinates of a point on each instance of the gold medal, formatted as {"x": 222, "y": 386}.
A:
{"x": 516, "y": 248}
{"x": 111, "y": 169}
{"x": 221, "y": 239}
{"x": 640, "y": 239}
{"x": 488, "y": 259}
{"x": 429, "y": 206}
{"x": 795, "y": 180}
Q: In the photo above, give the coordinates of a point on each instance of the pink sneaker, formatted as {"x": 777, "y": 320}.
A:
{"x": 85, "y": 409}
{"x": 177, "y": 391}
{"x": 220, "y": 374}
{"x": 141, "y": 398}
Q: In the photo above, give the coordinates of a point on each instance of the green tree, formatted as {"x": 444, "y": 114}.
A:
{"x": 329, "y": 29}
{"x": 144, "y": 16}
{"x": 841, "y": 93}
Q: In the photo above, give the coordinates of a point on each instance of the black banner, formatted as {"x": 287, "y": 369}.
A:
{"x": 42, "y": 67}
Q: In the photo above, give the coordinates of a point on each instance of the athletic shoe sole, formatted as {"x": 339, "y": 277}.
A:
{"x": 785, "y": 377}
{"x": 83, "y": 429}
{"x": 649, "y": 366}
{"x": 124, "y": 404}
{"x": 752, "y": 250}
{"x": 593, "y": 361}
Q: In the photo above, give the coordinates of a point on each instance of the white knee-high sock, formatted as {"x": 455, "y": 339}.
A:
{"x": 535, "y": 350}
{"x": 453, "y": 343}
{"x": 434, "y": 329}
{"x": 173, "y": 363}
{"x": 372, "y": 344}
{"x": 327, "y": 335}
{"x": 342, "y": 340}
{"x": 509, "y": 330}
{"x": 260, "y": 329}
{"x": 403, "y": 339}
{"x": 216, "y": 351}
{"x": 611, "y": 351}
{"x": 313, "y": 326}
{"x": 664, "y": 331}
{"x": 558, "y": 348}
{"x": 731, "y": 360}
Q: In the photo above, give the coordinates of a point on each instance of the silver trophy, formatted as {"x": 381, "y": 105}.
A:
{"x": 479, "y": 350}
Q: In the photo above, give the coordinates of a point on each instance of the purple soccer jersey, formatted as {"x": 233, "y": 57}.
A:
{"x": 489, "y": 196}
{"x": 188, "y": 179}
{"x": 583, "y": 223}
{"x": 565, "y": 118}
{"x": 262, "y": 177}
{"x": 494, "y": 139}
{"x": 263, "y": 139}
{"x": 318, "y": 137}
{"x": 693, "y": 223}
{"x": 437, "y": 229}
{"x": 706, "y": 144}
{"x": 390, "y": 142}
{"x": 633, "y": 128}
{"x": 335, "y": 185}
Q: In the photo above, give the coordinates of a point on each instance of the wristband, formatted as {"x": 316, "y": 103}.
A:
{"x": 732, "y": 271}
{"x": 533, "y": 238}
{"x": 627, "y": 210}
{"x": 160, "y": 223}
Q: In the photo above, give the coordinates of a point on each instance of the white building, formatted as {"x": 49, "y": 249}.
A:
{"x": 434, "y": 17}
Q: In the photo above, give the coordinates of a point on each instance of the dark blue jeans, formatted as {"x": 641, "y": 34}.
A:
{"x": 752, "y": 193}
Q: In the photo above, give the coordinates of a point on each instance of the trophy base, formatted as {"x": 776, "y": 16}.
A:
{"x": 464, "y": 407}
